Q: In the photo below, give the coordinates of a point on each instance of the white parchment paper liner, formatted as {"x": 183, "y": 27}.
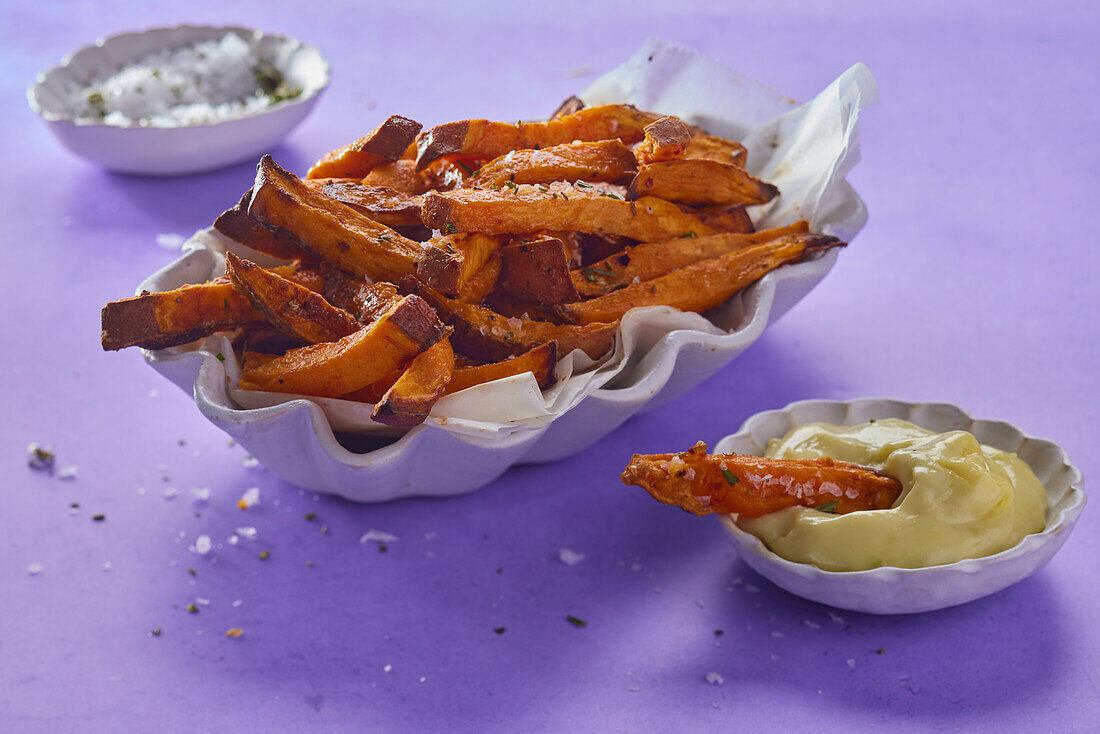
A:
{"x": 805, "y": 150}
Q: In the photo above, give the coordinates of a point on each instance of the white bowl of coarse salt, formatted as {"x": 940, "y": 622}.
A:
{"x": 170, "y": 101}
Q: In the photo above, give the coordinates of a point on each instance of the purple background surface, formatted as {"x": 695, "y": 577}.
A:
{"x": 973, "y": 283}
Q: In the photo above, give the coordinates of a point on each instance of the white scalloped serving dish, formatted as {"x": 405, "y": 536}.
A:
{"x": 666, "y": 353}
{"x": 890, "y": 590}
{"x": 166, "y": 151}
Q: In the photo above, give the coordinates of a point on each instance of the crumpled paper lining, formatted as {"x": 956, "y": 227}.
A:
{"x": 805, "y": 150}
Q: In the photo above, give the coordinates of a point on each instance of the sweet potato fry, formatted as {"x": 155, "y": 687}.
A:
{"x": 333, "y": 231}
{"x": 608, "y": 161}
{"x": 292, "y": 309}
{"x": 367, "y": 302}
{"x": 409, "y": 401}
{"x": 333, "y": 369}
{"x": 539, "y": 361}
{"x": 487, "y": 140}
{"x": 701, "y": 286}
{"x": 752, "y": 486}
{"x": 714, "y": 148}
{"x": 384, "y": 144}
{"x": 665, "y": 140}
{"x": 489, "y": 336}
{"x": 449, "y": 262}
{"x": 569, "y": 106}
{"x": 384, "y": 205}
{"x": 557, "y": 207}
{"x": 723, "y": 217}
{"x": 170, "y": 318}
{"x": 238, "y": 226}
{"x": 654, "y": 259}
{"x": 537, "y": 271}
{"x": 700, "y": 181}
{"x": 399, "y": 175}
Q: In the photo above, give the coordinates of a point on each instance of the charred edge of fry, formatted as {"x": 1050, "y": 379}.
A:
{"x": 436, "y": 212}
{"x": 417, "y": 319}
{"x": 386, "y": 143}
{"x": 538, "y": 271}
{"x": 238, "y": 226}
{"x": 333, "y": 227}
{"x": 468, "y": 338}
{"x": 133, "y": 322}
{"x": 391, "y": 138}
{"x": 384, "y": 205}
{"x": 407, "y": 402}
{"x": 439, "y": 141}
{"x": 570, "y": 105}
{"x": 664, "y": 139}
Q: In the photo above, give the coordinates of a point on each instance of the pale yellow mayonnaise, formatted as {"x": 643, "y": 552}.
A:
{"x": 959, "y": 499}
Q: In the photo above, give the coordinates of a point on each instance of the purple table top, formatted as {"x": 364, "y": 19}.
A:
{"x": 971, "y": 284}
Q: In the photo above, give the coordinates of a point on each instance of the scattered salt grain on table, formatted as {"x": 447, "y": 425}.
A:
{"x": 250, "y": 497}
{"x": 851, "y": 662}
{"x": 570, "y": 557}
{"x": 377, "y": 536}
{"x": 171, "y": 493}
{"x": 715, "y": 679}
{"x": 387, "y": 668}
{"x": 201, "y": 494}
{"x": 68, "y": 472}
{"x": 250, "y": 462}
{"x": 106, "y": 566}
{"x": 248, "y": 533}
{"x": 34, "y": 569}
{"x": 202, "y": 545}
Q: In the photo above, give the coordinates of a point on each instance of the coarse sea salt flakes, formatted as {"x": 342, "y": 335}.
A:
{"x": 201, "y": 494}
{"x": 377, "y": 536}
{"x": 33, "y": 569}
{"x": 570, "y": 557}
{"x": 715, "y": 679}
{"x": 202, "y": 545}
{"x": 248, "y": 533}
{"x": 68, "y": 472}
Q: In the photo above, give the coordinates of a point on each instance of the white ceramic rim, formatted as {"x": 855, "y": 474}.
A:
{"x": 251, "y": 34}
{"x": 1060, "y": 522}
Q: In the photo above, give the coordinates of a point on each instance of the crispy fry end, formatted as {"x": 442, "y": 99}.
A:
{"x": 752, "y": 486}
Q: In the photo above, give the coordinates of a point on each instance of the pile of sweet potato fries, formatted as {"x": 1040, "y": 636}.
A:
{"x": 420, "y": 263}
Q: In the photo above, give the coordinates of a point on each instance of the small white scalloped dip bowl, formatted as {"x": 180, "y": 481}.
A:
{"x": 889, "y": 590}
{"x": 170, "y": 151}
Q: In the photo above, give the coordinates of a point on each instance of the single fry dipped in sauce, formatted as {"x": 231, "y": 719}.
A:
{"x": 752, "y": 486}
